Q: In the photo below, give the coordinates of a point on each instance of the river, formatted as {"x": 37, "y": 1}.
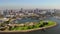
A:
{"x": 54, "y": 30}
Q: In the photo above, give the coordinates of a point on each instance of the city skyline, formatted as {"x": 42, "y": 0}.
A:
{"x": 16, "y": 4}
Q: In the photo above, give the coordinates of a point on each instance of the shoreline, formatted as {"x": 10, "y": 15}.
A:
{"x": 31, "y": 29}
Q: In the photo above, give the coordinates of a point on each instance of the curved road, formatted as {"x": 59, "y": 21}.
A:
{"x": 54, "y": 30}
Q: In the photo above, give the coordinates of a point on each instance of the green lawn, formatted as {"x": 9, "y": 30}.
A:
{"x": 38, "y": 25}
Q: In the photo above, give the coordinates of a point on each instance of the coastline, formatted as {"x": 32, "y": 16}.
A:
{"x": 31, "y": 29}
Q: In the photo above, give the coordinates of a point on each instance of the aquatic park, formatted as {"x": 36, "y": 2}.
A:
{"x": 26, "y": 27}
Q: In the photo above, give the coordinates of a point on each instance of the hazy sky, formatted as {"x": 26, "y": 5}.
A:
{"x": 29, "y": 4}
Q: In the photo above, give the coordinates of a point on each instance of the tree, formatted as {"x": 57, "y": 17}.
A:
{"x": 7, "y": 22}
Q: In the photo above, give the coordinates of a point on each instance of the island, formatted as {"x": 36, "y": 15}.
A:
{"x": 26, "y": 27}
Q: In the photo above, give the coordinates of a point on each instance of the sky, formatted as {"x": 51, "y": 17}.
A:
{"x": 13, "y": 4}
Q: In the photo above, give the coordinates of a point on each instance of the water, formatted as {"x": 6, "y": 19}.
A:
{"x": 54, "y": 30}
{"x": 24, "y": 20}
